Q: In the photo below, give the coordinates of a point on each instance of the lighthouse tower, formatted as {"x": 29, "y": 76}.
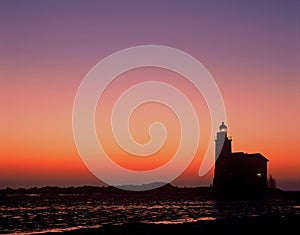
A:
{"x": 223, "y": 143}
{"x": 222, "y": 157}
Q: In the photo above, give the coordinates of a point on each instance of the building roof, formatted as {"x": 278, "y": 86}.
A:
{"x": 251, "y": 155}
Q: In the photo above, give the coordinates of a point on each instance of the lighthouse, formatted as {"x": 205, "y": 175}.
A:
{"x": 223, "y": 143}
{"x": 237, "y": 171}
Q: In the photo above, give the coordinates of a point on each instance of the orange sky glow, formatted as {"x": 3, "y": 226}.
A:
{"x": 252, "y": 55}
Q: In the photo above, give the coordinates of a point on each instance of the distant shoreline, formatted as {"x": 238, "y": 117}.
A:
{"x": 103, "y": 189}
{"x": 165, "y": 192}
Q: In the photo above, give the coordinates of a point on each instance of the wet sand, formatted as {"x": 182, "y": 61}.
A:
{"x": 269, "y": 224}
{"x": 92, "y": 210}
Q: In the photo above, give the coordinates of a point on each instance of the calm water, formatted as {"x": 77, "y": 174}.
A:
{"x": 35, "y": 214}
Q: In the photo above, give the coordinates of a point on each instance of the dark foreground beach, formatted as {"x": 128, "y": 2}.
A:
{"x": 166, "y": 210}
{"x": 270, "y": 224}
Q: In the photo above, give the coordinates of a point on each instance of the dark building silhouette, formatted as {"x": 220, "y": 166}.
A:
{"x": 237, "y": 171}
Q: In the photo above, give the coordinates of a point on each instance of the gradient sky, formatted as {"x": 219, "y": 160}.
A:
{"x": 251, "y": 48}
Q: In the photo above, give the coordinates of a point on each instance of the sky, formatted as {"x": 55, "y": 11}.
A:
{"x": 251, "y": 49}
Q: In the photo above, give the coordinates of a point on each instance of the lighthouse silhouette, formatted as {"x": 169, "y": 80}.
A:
{"x": 237, "y": 171}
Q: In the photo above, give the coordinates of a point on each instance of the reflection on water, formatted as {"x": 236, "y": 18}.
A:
{"x": 183, "y": 220}
{"x": 55, "y": 230}
{"x": 35, "y": 214}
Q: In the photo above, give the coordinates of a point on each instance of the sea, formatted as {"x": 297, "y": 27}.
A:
{"x": 38, "y": 214}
